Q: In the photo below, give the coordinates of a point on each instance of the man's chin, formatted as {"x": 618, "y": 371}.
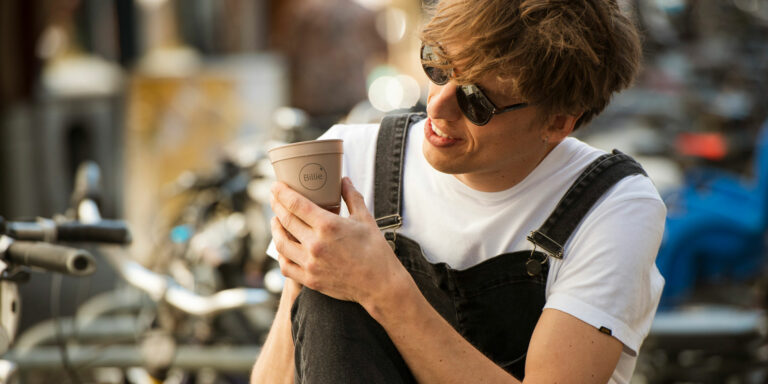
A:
{"x": 442, "y": 163}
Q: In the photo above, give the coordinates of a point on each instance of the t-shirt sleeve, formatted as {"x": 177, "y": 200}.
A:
{"x": 608, "y": 277}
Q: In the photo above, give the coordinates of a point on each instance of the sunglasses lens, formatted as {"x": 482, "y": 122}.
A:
{"x": 472, "y": 101}
{"x": 474, "y": 104}
{"x": 436, "y": 75}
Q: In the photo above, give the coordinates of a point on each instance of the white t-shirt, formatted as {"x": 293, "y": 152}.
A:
{"x": 607, "y": 277}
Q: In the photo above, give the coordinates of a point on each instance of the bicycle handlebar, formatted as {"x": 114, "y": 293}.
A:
{"x": 165, "y": 288}
{"x": 104, "y": 231}
{"x": 51, "y": 257}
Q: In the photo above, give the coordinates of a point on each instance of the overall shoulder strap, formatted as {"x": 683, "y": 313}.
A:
{"x": 388, "y": 176}
{"x": 596, "y": 179}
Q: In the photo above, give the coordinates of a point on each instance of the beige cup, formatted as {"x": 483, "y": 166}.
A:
{"x": 312, "y": 168}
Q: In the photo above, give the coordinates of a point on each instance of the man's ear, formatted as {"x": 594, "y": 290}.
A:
{"x": 561, "y": 126}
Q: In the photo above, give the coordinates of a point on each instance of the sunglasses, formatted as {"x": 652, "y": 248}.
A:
{"x": 473, "y": 102}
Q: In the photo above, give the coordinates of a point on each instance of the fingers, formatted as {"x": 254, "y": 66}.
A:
{"x": 353, "y": 198}
{"x": 290, "y": 269}
{"x": 298, "y": 205}
{"x": 285, "y": 245}
{"x": 296, "y": 228}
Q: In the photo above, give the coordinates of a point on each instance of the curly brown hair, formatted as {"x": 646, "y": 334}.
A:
{"x": 566, "y": 56}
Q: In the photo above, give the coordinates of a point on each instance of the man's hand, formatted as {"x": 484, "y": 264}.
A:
{"x": 345, "y": 258}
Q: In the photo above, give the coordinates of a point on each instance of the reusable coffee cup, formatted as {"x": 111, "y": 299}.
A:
{"x": 312, "y": 168}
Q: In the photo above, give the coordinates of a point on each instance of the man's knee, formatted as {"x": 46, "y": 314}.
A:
{"x": 338, "y": 341}
{"x": 314, "y": 315}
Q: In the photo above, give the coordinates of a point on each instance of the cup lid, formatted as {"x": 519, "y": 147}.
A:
{"x": 306, "y": 148}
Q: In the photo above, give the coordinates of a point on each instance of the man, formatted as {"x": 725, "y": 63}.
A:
{"x": 499, "y": 249}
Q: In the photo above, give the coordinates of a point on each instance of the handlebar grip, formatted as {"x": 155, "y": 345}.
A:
{"x": 51, "y": 257}
{"x": 26, "y": 230}
{"x": 105, "y": 231}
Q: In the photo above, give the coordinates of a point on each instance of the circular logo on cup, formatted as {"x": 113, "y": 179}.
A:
{"x": 313, "y": 176}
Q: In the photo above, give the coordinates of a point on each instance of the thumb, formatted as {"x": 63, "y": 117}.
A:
{"x": 353, "y": 198}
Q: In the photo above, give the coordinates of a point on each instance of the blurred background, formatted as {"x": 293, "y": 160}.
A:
{"x": 170, "y": 105}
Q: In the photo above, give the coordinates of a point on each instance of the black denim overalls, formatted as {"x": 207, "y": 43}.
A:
{"x": 495, "y": 305}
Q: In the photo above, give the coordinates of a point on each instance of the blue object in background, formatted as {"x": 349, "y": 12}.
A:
{"x": 180, "y": 234}
{"x": 715, "y": 228}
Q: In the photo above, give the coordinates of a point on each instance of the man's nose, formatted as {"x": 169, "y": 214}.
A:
{"x": 442, "y": 103}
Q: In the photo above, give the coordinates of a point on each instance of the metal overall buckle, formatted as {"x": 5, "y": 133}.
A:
{"x": 394, "y": 226}
{"x": 534, "y": 266}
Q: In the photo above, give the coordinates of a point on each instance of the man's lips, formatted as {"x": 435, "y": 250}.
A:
{"x": 440, "y": 133}
{"x": 437, "y": 137}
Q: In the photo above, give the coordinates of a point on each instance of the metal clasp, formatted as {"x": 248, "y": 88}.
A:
{"x": 533, "y": 267}
{"x": 397, "y": 224}
{"x": 549, "y": 245}
{"x": 394, "y": 226}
